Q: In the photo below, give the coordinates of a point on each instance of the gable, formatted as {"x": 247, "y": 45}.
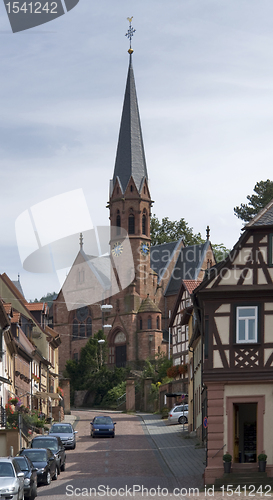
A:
{"x": 250, "y": 263}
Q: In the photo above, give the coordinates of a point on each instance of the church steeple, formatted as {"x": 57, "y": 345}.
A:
{"x": 130, "y": 157}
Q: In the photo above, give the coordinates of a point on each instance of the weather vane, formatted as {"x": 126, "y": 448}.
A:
{"x": 130, "y": 33}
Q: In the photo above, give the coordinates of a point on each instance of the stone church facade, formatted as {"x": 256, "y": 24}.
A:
{"x": 140, "y": 312}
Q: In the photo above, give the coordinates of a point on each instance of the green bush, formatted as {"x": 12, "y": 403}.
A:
{"x": 110, "y": 398}
{"x": 227, "y": 457}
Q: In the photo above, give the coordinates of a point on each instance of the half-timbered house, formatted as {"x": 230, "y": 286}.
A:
{"x": 235, "y": 306}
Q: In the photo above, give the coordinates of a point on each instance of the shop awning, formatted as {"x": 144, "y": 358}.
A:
{"x": 46, "y": 395}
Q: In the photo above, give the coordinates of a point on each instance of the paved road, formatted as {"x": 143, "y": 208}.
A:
{"x": 147, "y": 456}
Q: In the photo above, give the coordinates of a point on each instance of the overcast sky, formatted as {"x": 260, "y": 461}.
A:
{"x": 204, "y": 78}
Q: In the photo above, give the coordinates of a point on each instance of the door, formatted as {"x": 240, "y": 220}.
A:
{"x": 245, "y": 432}
{"x": 121, "y": 356}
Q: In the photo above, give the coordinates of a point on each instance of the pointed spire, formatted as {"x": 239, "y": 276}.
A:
{"x": 130, "y": 157}
{"x": 81, "y": 241}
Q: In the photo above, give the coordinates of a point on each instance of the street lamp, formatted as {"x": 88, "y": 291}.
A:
{"x": 105, "y": 308}
{"x": 101, "y": 342}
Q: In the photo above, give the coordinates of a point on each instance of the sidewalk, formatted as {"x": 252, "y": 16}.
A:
{"x": 183, "y": 460}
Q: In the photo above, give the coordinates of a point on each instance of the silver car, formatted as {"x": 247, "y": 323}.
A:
{"x": 179, "y": 414}
{"x": 66, "y": 433}
{"x": 11, "y": 480}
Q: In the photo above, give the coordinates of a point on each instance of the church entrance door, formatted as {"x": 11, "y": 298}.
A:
{"x": 121, "y": 356}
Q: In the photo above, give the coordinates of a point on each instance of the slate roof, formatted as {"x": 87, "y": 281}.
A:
{"x": 187, "y": 267}
{"x": 130, "y": 157}
{"x": 18, "y": 286}
{"x": 264, "y": 217}
{"x": 161, "y": 256}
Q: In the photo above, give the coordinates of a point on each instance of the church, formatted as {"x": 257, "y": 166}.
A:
{"x": 136, "y": 283}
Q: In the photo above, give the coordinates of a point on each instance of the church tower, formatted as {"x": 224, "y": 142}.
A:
{"x": 130, "y": 201}
{"x": 137, "y": 315}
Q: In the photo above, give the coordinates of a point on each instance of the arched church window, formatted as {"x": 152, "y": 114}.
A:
{"x": 144, "y": 222}
{"x": 82, "y": 323}
{"x": 149, "y": 323}
{"x": 131, "y": 222}
{"x": 118, "y": 222}
{"x": 75, "y": 329}
{"x": 89, "y": 327}
{"x": 140, "y": 323}
{"x": 157, "y": 323}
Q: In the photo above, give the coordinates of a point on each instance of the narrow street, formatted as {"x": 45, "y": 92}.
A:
{"x": 146, "y": 456}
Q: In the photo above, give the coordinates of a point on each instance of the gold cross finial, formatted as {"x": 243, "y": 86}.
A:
{"x": 130, "y": 33}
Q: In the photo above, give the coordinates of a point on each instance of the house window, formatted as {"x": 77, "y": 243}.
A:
{"x": 246, "y": 324}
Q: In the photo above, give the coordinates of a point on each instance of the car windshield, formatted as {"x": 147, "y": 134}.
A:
{"x": 45, "y": 443}
{"x": 36, "y": 455}
{"x": 61, "y": 429}
{"x": 6, "y": 470}
{"x": 103, "y": 421}
{"x": 21, "y": 461}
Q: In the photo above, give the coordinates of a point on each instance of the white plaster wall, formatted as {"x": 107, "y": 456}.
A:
{"x": 222, "y": 324}
{"x": 268, "y": 328}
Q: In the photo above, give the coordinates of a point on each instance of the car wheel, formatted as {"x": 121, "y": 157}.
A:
{"x": 56, "y": 474}
{"x": 182, "y": 420}
{"x": 48, "y": 478}
{"x": 74, "y": 446}
{"x": 63, "y": 467}
{"x": 113, "y": 436}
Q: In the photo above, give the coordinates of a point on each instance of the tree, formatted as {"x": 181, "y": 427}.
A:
{"x": 264, "y": 194}
{"x": 167, "y": 231}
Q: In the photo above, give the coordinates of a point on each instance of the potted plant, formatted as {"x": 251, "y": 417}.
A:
{"x": 262, "y": 462}
{"x": 227, "y": 459}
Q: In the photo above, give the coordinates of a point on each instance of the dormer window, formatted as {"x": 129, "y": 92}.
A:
{"x": 131, "y": 188}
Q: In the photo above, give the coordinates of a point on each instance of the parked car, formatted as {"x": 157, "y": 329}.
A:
{"x": 45, "y": 462}
{"x": 179, "y": 414}
{"x": 102, "y": 426}
{"x": 30, "y": 473}
{"x": 66, "y": 433}
{"x": 54, "y": 444}
{"x": 11, "y": 480}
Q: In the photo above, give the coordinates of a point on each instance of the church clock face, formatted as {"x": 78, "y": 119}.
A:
{"x": 144, "y": 248}
{"x": 117, "y": 249}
